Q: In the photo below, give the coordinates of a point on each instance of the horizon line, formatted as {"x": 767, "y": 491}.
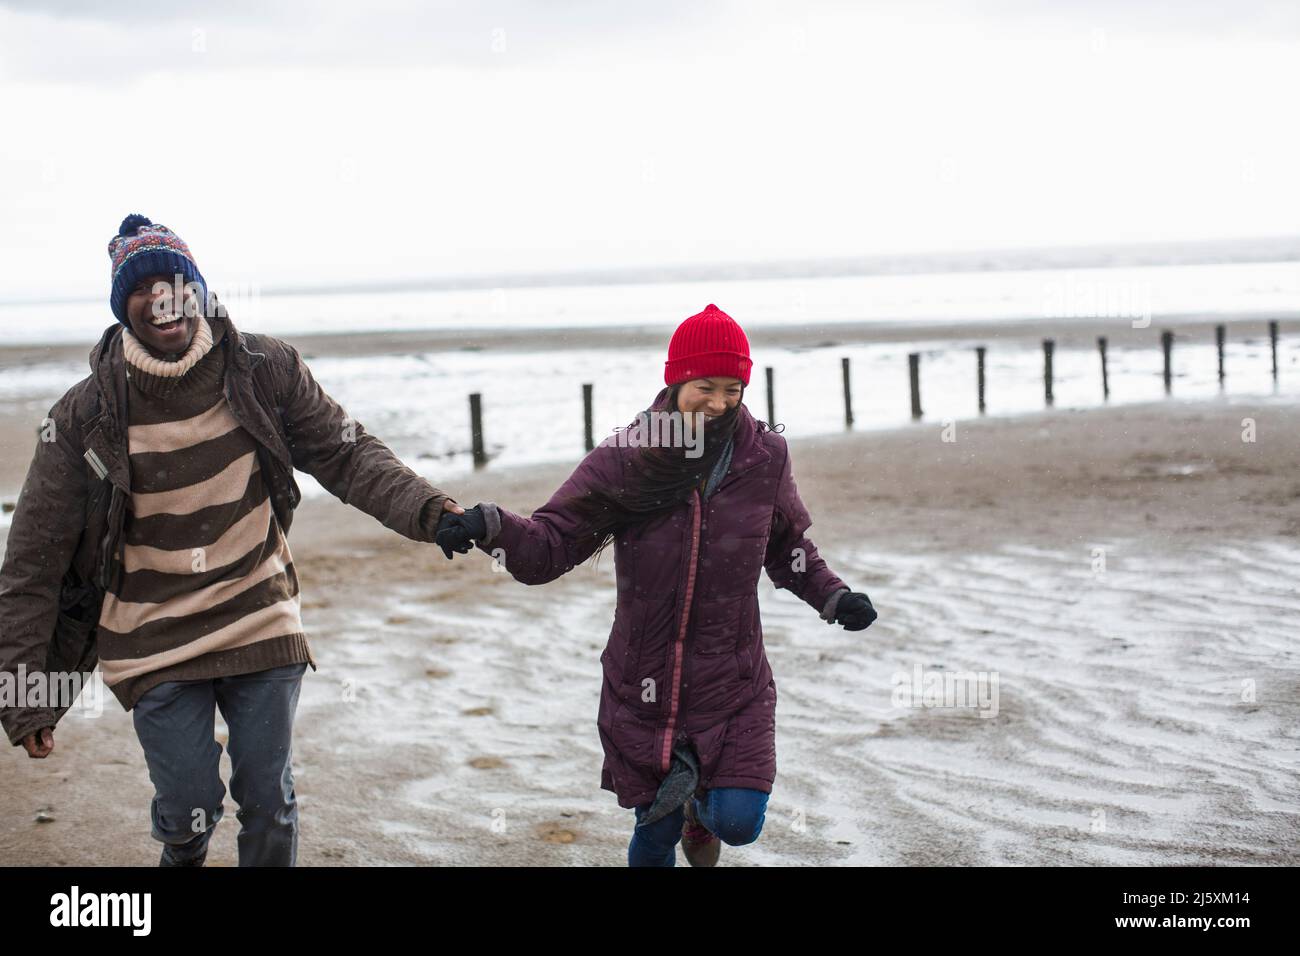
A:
{"x": 1084, "y": 256}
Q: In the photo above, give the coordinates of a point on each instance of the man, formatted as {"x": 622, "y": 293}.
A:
{"x": 150, "y": 536}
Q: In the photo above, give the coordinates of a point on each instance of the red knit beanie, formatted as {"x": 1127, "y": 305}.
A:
{"x": 708, "y": 344}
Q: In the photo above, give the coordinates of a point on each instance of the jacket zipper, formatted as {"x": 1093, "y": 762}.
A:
{"x": 665, "y": 756}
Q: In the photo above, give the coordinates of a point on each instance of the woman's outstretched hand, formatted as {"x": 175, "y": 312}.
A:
{"x": 855, "y": 611}
{"x": 458, "y": 532}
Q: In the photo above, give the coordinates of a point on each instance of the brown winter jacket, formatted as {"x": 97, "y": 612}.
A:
{"x": 63, "y": 545}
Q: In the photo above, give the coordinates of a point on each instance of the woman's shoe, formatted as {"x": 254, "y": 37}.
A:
{"x": 700, "y": 846}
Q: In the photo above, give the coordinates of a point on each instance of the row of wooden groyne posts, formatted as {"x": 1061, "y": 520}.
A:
{"x": 914, "y": 377}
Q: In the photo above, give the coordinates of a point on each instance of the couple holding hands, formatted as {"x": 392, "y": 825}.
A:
{"x": 150, "y": 537}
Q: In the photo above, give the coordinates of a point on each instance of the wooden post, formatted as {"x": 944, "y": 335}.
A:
{"x": 1105, "y": 379}
{"x": 1220, "y": 334}
{"x": 1167, "y": 343}
{"x": 771, "y": 399}
{"x": 1049, "y": 347}
{"x": 914, "y": 373}
{"x": 979, "y": 375}
{"x": 588, "y": 442}
{"x": 1272, "y": 341}
{"x": 848, "y": 394}
{"x": 476, "y": 429}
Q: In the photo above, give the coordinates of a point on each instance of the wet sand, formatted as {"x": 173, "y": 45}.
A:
{"x": 1146, "y": 715}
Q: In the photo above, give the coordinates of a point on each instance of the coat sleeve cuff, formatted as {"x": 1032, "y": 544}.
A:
{"x": 29, "y": 721}
{"x": 492, "y": 518}
{"x": 833, "y": 602}
{"x": 431, "y": 515}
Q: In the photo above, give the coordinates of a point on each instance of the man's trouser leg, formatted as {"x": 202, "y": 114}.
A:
{"x": 174, "y": 722}
{"x": 259, "y": 709}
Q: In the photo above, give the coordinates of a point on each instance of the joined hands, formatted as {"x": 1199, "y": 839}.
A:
{"x": 458, "y": 532}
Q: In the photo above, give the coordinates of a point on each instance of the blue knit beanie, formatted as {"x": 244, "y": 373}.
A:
{"x": 141, "y": 249}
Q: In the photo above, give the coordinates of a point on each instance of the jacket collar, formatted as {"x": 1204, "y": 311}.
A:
{"x": 750, "y": 449}
{"x": 106, "y": 359}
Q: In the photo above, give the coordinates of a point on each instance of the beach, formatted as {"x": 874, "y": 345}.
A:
{"x": 1016, "y": 286}
{"x": 1127, "y": 577}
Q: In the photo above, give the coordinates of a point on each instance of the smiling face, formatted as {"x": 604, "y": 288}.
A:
{"x": 712, "y": 396}
{"x": 163, "y": 325}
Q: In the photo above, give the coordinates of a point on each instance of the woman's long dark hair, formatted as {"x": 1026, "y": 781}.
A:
{"x": 663, "y": 477}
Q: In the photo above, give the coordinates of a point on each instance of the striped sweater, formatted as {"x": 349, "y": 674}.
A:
{"x": 208, "y": 588}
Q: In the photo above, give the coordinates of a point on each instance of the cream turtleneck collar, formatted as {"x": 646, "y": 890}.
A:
{"x": 139, "y": 357}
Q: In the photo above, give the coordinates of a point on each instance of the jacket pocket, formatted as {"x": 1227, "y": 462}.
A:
{"x": 620, "y": 655}
{"x": 655, "y": 641}
{"x": 748, "y": 638}
{"x": 73, "y": 646}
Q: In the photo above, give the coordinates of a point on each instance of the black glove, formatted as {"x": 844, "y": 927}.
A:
{"x": 459, "y": 532}
{"x": 854, "y": 611}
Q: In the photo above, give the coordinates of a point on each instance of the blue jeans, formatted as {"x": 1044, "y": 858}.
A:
{"x": 733, "y": 814}
{"x": 175, "y": 722}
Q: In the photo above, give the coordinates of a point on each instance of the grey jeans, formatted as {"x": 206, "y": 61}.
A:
{"x": 175, "y": 722}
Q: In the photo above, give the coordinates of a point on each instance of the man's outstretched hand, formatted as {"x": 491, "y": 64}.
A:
{"x": 39, "y": 744}
{"x": 855, "y": 611}
{"x": 458, "y": 532}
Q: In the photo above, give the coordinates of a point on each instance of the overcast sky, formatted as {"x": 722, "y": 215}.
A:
{"x": 306, "y": 142}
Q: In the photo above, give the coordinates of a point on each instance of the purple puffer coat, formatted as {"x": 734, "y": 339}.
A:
{"x": 685, "y": 658}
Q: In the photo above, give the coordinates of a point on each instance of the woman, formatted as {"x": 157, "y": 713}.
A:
{"x": 687, "y": 711}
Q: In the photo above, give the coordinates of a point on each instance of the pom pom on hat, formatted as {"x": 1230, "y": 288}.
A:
{"x": 132, "y": 223}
